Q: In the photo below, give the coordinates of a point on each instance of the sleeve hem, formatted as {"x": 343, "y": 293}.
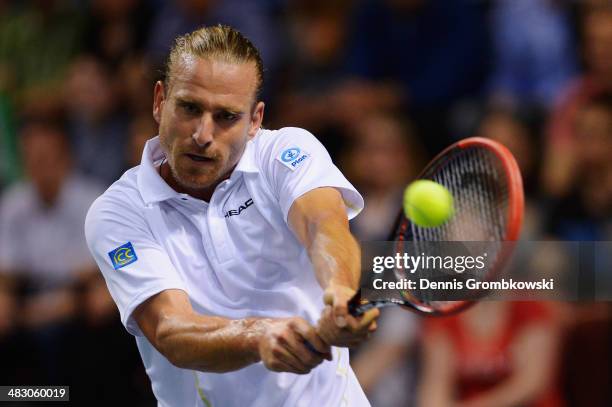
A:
{"x": 126, "y": 317}
{"x": 353, "y": 201}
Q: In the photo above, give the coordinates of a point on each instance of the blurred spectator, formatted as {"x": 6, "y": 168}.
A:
{"x": 559, "y": 171}
{"x": 518, "y": 133}
{"x": 424, "y": 54}
{"x": 534, "y": 55}
{"x": 18, "y": 358}
{"x": 317, "y": 31}
{"x": 385, "y": 365}
{"x": 96, "y": 122}
{"x": 134, "y": 84}
{"x": 142, "y": 128}
{"x": 117, "y": 29}
{"x": 383, "y": 157}
{"x": 9, "y": 166}
{"x": 42, "y": 246}
{"x": 584, "y": 210}
{"x": 253, "y": 18}
{"x": 119, "y": 367}
{"x": 494, "y": 354}
{"x": 37, "y": 41}
{"x": 587, "y": 348}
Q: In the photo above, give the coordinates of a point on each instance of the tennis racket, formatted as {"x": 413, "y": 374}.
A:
{"x": 485, "y": 181}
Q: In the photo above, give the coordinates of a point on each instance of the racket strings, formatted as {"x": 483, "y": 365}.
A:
{"x": 480, "y": 192}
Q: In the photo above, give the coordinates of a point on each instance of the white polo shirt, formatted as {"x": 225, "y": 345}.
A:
{"x": 234, "y": 256}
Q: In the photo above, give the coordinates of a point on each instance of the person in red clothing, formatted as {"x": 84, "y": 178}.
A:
{"x": 496, "y": 354}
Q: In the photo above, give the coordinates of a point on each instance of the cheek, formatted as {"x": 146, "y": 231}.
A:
{"x": 237, "y": 147}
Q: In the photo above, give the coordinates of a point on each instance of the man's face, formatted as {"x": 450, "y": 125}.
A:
{"x": 45, "y": 159}
{"x": 206, "y": 118}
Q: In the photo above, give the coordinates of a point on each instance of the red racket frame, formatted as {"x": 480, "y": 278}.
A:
{"x": 516, "y": 203}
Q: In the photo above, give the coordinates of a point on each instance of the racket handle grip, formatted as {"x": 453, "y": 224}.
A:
{"x": 354, "y": 305}
{"x": 311, "y": 348}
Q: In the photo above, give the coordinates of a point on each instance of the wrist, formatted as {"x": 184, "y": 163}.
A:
{"x": 254, "y": 335}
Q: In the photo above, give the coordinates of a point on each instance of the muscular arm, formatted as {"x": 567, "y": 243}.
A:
{"x": 207, "y": 343}
{"x": 318, "y": 219}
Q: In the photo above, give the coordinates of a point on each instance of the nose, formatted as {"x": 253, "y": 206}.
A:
{"x": 203, "y": 134}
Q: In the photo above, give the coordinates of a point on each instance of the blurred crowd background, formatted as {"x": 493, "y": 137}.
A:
{"x": 384, "y": 84}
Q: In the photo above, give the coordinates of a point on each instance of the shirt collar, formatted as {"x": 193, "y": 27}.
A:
{"x": 152, "y": 186}
{"x": 247, "y": 161}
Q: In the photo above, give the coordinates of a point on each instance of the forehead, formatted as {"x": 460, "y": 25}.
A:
{"x": 214, "y": 80}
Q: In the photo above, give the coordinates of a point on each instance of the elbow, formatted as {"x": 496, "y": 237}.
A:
{"x": 175, "y": 341}
{"x": 167, "y": 342}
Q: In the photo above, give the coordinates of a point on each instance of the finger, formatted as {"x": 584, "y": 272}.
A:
{"x": 361, "y": 323}
{"x": 308, "y": 333}
{"x": 278, "y": 365}
{"x": 326, "y": 328}
{"x": 340, "y": 312}
{"x": 338, "y": 297}
{"x": 284, "y": 356}
{"x": 299, "y": 350}
{"x": 373, "y": 326}
{"x": 368, "y": 318}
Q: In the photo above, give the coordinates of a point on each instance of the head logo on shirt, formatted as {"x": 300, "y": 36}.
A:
{"x": 123, "y": 255}
{"x": 293, "y": 157}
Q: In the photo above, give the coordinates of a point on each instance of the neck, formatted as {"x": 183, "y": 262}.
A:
{"x": 200, "y": 193}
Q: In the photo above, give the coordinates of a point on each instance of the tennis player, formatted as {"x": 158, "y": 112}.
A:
{"x": 228, "y": 248}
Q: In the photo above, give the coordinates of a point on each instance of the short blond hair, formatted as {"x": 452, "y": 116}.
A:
{"x": 220, "y": 41}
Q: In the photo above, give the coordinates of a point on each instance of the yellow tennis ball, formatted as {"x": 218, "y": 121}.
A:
{"x": 427, "y": 203}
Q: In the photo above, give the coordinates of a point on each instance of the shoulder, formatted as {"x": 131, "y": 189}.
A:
{"x": 266, "y": 138}
{"x": 284, "y": 143}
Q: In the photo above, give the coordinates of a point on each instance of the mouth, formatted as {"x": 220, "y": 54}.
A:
{"x": 200, "y": 158}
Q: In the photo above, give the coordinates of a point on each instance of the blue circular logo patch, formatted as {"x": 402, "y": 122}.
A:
{"x": 290, "y": 154}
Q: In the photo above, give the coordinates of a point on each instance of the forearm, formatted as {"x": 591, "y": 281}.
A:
{"x": 335, "y": 255}
{"x": 210, "y": 344}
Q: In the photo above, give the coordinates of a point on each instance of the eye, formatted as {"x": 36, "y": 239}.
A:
{"x": 227, "y": 116}
{"x": 190, "y": 108}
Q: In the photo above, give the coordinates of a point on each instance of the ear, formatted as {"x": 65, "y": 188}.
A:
{"x": 159, "y": 98}
{"x": 256, "y": 119}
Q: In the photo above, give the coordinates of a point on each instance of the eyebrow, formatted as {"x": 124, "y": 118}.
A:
{"x": 187, "y": 99}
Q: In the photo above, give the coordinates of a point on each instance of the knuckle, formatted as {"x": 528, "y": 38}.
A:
{"x": 282, "y": 338}
{"x": 295, "y": 322}
{"x": 277, "y": 351}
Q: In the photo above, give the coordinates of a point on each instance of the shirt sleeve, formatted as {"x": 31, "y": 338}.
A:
{"x": 134, "y": 265}
{"x": 294, "y": 162}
